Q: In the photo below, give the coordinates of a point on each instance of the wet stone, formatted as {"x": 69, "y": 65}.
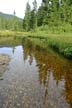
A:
{"x": 4, "y": 61}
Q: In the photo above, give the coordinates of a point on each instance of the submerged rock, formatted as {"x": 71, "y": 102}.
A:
{"x": 4, "y": 61}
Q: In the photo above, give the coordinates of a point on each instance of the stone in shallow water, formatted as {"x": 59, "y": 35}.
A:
{"x": 1, "y": 78}
{"x": 4, "y": 61}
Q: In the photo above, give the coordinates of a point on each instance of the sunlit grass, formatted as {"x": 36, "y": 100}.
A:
{"x": 8, "y": 33}
{"x": 61, "y": 42}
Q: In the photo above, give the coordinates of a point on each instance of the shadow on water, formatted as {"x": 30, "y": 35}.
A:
{"x": 39, "y": 77}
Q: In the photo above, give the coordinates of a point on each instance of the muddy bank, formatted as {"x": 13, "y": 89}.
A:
{"x": 4, "y": 61}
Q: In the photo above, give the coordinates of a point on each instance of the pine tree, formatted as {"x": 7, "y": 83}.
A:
{"x": 51, "y": 13}
{"x": 33, "y": 19}
{"x": 42, "y": 13}
{"x": 26, "y": 21}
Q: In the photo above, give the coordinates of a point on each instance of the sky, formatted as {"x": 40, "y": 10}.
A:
{"x": 8, "y": 6}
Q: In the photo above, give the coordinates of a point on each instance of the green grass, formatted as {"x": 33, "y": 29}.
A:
{"x": 56, "y": 38}
{"x": 7, "y": 33}
{"x": 60, "y": 42}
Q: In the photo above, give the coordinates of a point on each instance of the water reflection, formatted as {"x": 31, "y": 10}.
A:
{"x": 39, "y": 77}
{"x": 53, "y": 71}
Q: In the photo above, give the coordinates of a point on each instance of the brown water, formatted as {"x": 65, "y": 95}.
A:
{"x": 35, "y": 78}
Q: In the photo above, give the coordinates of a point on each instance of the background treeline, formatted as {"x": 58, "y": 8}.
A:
{"x": 51, "y": 13}
{"x": 10, "y": 22}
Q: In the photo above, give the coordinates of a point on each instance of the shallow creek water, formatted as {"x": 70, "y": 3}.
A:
{"x": 35, "y": 77}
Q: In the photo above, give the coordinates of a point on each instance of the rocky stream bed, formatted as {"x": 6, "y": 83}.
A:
{"x": 4, "y": 61}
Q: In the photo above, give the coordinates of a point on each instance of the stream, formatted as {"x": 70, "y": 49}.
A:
{"x": 35, "y": 77}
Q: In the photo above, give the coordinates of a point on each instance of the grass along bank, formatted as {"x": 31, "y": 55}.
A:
{"x": 62, "y": 43}
{"x": 59, "y": 41}
{"x": 7, "y": 33}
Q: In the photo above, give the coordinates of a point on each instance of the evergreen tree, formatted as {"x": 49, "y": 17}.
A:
{"x": 14, "y": 13}
{"x": 33, "y": 20}
{"x": 51, "y": 13}
{"x": 26, "y": 21}
{"x": 42, "y": 13}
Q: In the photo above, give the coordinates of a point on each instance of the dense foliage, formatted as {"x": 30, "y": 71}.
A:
{"x": 51, "y": 13}
{"x": 30, "y": 19}
{"x": 9, "y": 22}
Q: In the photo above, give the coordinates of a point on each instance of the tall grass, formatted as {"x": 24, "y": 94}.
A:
{"x": 62, "y": 44}
{"x": 7, "y": 33}
{"x": 57, "y": 40}
{"x": 57, "y": 37}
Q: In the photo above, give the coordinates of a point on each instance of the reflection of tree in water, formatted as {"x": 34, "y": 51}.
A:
{"x": 28, "y": 50}
{"x": 13, "y": 50}
{"x": 68, "y": 84}
{"x": 15, "y": 42}
{"x": 48, "y": 63}
{"x": 60, "y": 68}
{"x": 31, "y": 59}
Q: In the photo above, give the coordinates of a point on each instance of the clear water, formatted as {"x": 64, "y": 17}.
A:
{"x": 35, "y": 77}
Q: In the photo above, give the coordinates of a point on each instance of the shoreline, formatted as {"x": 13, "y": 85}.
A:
{"x": 61, "y": 43}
